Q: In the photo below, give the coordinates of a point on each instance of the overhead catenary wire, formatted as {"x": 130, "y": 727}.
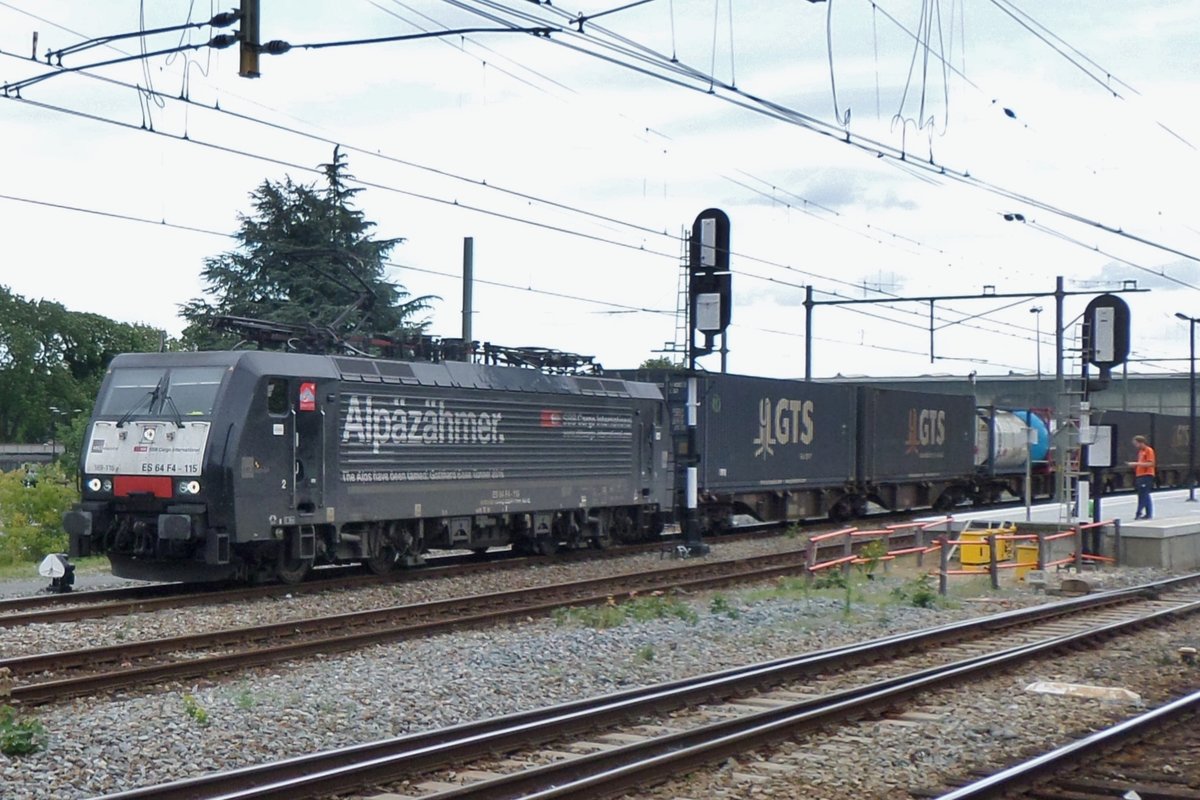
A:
{"x": 124, "y": 217}
{"x": 222, "y": 20}
{"x": 510, "y": 286}
{"x": 279, "y": 47}
{"x": 465, "y": 39}
{"x": 163, "y": 223}
{"x": 1110, "y": 229}
{"x": 475, "y": 182}
{"x": 1029, "y": 23}
{"x": 675, "y": 73}
{"x": 375, "y": 153}
{"x": 509, "y": 217}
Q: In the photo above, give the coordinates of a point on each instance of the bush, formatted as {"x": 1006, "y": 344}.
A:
{"x": 31, "y": 515}
{"x": 919, "y": 591}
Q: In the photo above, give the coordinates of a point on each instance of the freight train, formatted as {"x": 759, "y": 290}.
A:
{"x": 258, "y": 465}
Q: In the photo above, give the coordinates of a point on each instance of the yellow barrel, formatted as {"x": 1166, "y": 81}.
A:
{"x": 977, "y": 554}
{"x": 973, "y": 555}
{"x": 1004, "y": 547}
{"x": 1026, "y": 559}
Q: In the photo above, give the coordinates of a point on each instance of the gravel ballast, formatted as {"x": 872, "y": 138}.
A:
{"x": 104, "y": 744}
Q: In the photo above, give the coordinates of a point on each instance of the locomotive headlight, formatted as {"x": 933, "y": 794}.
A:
{"x": 94, "y": 485}
{"x": 189, "y": 487}
{"x": 107, "y": 485}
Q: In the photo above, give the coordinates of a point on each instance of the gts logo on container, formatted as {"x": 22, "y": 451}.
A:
{"x": 374, "y": 423}
{"x": 783, "y": 422}
{"x": 926, "y": 426}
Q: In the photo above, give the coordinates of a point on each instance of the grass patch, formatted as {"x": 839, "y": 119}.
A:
{"x": 245, "y": 699}
{"x": 720, "y": 605}
{"x": 783, "y": 589}
{"x": 638, "y": 609}
{"x": 857, "y": 587}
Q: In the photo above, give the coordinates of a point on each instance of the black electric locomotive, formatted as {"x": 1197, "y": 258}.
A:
{"x": 260, "y": 464}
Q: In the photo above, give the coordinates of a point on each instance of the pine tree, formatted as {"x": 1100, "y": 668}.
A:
{"x": 305, "y": 256}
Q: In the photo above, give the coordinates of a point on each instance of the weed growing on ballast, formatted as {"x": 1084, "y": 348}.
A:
{"x": 919, "y": 592}
{"x": 245, "y": 699}
{"x": 720, "y": 605}
{"x": 193, "y": 709}
{"x": 20, "y": 736}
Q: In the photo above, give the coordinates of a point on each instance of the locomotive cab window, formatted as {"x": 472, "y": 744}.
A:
{"x": 162, "y": 392}
{"x": 277, "y": 397}
{"x": 193, "y": 390}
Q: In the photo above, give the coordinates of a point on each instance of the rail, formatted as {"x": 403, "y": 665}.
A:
{"x": 1029, "y": 772}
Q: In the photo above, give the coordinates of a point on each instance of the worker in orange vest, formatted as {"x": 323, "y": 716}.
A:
{"x": 1143, "y": 477}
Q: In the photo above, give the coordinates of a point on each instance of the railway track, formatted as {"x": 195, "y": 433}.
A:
{"x": 42, "y": 678}
{"x": 604, "y": 746}
{"x": 140, "y": 599}
{"x": 1153, "y": 755}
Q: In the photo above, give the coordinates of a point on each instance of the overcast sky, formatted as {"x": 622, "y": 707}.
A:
{"x": 576, "y": 160}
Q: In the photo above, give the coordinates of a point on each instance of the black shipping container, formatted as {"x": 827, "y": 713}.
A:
{"x": 914, "y": 435}
{"x": 1126, "y": 425}
{"x": 1170, "y": 442}
{"x": 760, "y": 433}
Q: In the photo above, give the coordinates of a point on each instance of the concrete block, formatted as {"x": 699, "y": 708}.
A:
{"x": 1168, "y": 543}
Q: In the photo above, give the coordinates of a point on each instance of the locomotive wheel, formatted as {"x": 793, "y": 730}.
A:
{"x": 842, "y": 511}
{"x": 381, "y": 558}
{"x": 382, "y": 562}
{"x": 291, "y": 570}
{"x": 546, "y": 545}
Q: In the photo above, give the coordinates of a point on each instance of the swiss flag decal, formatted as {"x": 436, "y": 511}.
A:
{"x": 308, "y": 396}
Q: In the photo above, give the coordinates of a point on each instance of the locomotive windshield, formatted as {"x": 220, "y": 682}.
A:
{"x": 162, "y": 391}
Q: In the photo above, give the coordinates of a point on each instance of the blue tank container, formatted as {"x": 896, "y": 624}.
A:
{"x": 1041, "y": 449}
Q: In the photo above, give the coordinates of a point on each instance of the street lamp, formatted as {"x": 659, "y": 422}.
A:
{"x": 1191, "y": 407}
{"x": 1037, "y": 321}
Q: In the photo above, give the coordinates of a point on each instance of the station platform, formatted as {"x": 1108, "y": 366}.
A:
{"x": 1169, "y": 542}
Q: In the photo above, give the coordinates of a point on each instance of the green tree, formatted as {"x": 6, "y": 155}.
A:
{"x": 70, "y": 436}
{"x": 659, "y": 362}
{"x": 305, "y": 256}
{"x": 52, "y": 361}
{"x": 31, "y": 515}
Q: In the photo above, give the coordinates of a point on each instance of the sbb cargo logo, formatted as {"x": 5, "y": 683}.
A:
{"x": 926, "y": 428}
{"x": 373, "y": 422}
{"x": 783, "y": 422}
